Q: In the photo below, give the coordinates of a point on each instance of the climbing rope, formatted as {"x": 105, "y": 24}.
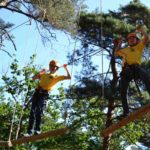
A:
{"x": 20, "y": 120}
{"x": 74, "y": 49}
{"x": 14, "y": 111}
{"x": 24, "y": 103}
{"x": 101, "y": 42}
{"x": 67, "y": 103}
{"x": 12, "y": 123}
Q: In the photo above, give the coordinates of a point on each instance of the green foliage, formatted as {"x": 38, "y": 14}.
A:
{"x": 15, "y": 93}
{"x": 56, "y": 13}
{"x": 98, "y": 31}
{"x": 135, "y": 11}
{"x": 91, "y": 24}
{"x": 87, "y": 117}
{"x": 48, "y": 15}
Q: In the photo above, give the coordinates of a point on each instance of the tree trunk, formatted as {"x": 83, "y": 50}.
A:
{"x": 106, "y": 140}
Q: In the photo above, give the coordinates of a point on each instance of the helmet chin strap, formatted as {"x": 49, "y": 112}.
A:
{"x": 134, "y": 43}
{"x": 57, "y": 67}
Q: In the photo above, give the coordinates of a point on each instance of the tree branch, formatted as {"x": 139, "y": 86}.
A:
{"x": 6, "y": 52}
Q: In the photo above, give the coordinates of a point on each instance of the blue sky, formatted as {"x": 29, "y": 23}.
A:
{"x": 28, "y": 40}
{"x": 110, "y": 4}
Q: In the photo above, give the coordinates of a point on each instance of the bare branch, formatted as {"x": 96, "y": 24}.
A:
{"x": 6, "y": 52}
{"x": 10, "y": 38}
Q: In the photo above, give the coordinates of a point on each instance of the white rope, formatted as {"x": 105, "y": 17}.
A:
{"x": 13, "y": 118}
{"x": 12, "y": 123}
{"x": 75, "y": 45}
{"x": 23, "y": 107}
{"x": 101, "y": 36}
{"x": 14, "y": 112}
{"x": 19, "y": 124}
{"x": 72, "y": 65}
{"x": 21, "y": 115}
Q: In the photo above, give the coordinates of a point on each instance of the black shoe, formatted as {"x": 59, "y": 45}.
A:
{"x": 122, "y": 116}
{"x": 125, "y": 114}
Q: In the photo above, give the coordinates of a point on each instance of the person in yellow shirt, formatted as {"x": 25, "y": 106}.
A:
{"x": 131, "y": 69}
{"x": 47, "y": 80}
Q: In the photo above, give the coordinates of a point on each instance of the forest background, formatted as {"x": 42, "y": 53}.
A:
{"x": 34, "y": 32}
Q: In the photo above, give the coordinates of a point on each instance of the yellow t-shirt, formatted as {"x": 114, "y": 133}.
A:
{"x": 47, "y": 81}
{"x": 132, "y": 54}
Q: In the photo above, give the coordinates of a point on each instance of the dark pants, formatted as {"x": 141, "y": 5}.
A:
{"x": 38, "y": 99}
{"x": 132, "y": 72}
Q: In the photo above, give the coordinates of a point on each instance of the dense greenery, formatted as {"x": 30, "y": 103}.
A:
{"x": 98, "y": 32}
{"x": 91, "y": 110}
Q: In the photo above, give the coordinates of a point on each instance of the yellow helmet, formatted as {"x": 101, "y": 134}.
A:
{"x": 53, "y": 63}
